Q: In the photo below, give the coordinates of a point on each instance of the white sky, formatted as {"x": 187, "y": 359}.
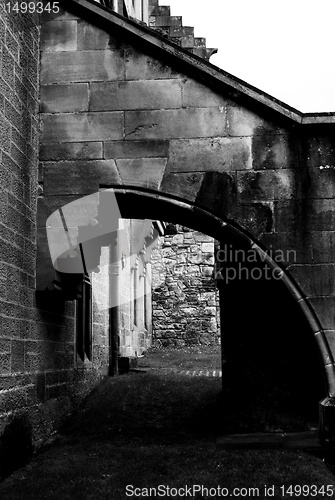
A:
{"x": 283, "y": 47}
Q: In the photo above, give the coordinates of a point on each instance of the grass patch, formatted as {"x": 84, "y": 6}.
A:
{"x": 186, "y": 358}
{"x": 258, "y": 400}
{"x": 93, "y": 470}
{"x": 150, "y": 429}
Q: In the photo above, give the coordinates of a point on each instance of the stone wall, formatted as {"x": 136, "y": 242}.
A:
{"x": 40, "y": 379}
{"x": 185, "y": 299}
{"x": 134, "y": 282}
{"x": 101, "y": 289}
{"x": 19, "y": 332}
{"x": 123, "y": 106}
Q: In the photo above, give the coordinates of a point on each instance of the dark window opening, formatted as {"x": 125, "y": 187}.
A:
{"x": 84, "y": 321}
{"x": 135, "y": 294}
{"x": 145, "y": 302}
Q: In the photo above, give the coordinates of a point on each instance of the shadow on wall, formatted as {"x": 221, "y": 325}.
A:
{"x": 272, "y": 359}
{"x": 15, "y": 445}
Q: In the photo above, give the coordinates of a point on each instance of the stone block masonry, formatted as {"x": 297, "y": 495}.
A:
{"x": 115, "y": 113}
{"x": 20, "y": 344}
{"x": 209, "y": 140}
{"x": 185, "y": 303}
{"x": 39, "y": 381}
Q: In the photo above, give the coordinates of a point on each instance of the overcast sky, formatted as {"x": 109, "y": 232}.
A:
{"x": 284, "y": 47}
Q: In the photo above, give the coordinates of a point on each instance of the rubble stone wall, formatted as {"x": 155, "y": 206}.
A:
{"x": 185, "y": 304}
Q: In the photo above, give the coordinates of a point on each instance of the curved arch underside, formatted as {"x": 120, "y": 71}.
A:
{"x": 146, "y": 204}
{"x": 277, "y": 318}
{"x": 121, "y": 108}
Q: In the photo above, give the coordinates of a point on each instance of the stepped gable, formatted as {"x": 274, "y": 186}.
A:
{"x": 171, "y": 27}
{"x": 160, "y": 19}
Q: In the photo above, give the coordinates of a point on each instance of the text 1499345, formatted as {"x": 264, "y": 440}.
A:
{"x": 32, "y": 7}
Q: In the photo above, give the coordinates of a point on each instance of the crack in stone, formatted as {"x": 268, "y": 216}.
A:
{"x": 139, "y": 128}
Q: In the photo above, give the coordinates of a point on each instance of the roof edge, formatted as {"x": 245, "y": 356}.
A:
{"x": 156, "y": 40}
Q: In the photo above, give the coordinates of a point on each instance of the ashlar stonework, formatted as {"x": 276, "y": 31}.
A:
{"x": 132, "y": 108}
{"x": 210, "y": 152}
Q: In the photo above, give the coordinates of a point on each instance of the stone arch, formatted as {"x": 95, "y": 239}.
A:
{"x": 198, "y": 135}
{"x": 174, "y": 209}
{"x": 310, "y": 386}
{"x": 148, "y": 203}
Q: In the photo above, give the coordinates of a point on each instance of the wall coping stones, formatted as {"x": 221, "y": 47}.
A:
{"x": 203, "y": 69}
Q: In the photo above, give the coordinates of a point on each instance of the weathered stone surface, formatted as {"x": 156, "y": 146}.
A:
{"x": 285, "y": 184}
{"x": 179, "y": 123}
{"x": 45, "y": 274}
{"x": 272, "y": 152}
{"x": 82, "y": 127}
{"x": 321, "y": 182}
{"x": 203, "y": 52}
{"x": 144, "y": 172}
{"x": 155, "y": 94}
{"x": 315, "y": 280}
{"x": 56, "y": 36}
{"x": 207, "y": 247}
{"x": 324, "y": 308}
{"x": 82, "y": 66}
{"x": 218, "y": 192}
{"x": 67, "y": 98}
{"x": 303, "y": 215}
{"x": 219, "y": 154}
{"x": 187, "y": 41}
{"x": 136, "y": 149}
{"x": 266, "y": 185}
{"x": 182, "y": 185}
{"x": 79, "y": 177}
{"x": 242, "y": 122}
{"x": 296, "y": 247}
{"x": 91, "y": 37}
{"x": 254, "y": 217}
{"x": 320, "y": 151}
{"x": 330, "y": 338}
{"x": 196, "y": 94}
{"x": 17, "y": 361}
{"x": 162, "y": 10}
{"x": 62, "y": 15}
{"x": 323, "y": 246}
{"x": 181, "y": 31}
{"x": 72, "y": 151}
{"x": 185, "y": 298}
{"x": 42, "y": 242}
{"x": 168, "y": 21}
{"x": 324, "y": 341}
{"x": 200, "y": 42}
{"x": 139, "y": 66}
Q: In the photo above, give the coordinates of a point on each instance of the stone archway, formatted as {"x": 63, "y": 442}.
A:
{"x": 173, "y": 209}
{"x": 148, "y": 204}
{"x": 121, "y": 106}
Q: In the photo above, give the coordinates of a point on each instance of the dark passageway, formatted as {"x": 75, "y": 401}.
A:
{"x": 272, "y": 361}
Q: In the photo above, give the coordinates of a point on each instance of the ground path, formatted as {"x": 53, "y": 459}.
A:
{"x": 188, "y": 373}
{"x": 150, "y": 428}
